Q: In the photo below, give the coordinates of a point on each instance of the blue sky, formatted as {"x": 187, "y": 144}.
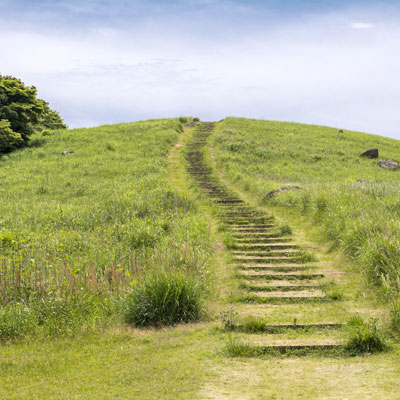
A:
{"x": 325, "y": 62}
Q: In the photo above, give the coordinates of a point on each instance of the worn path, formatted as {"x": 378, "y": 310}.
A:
{"x": 292, "y": 306}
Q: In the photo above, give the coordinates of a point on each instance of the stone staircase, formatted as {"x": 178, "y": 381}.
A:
{"x": 271, "y": 268}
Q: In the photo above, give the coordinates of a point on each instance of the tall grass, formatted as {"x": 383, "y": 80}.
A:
{"x": 362, "y": 218}
{"x": 78, "y": 231}
{"x": 164, "y": 298}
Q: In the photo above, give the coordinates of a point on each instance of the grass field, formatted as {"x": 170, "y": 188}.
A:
{"x": 362, "y": 218}
{"x": 78, "y": 231}
{"x": 81, "y": 235}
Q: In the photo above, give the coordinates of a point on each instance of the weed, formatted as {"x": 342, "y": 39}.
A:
{"x": 237, "y": 348}
{"x": 307, "y": 256}
{"x": 364, "y": 337}
{"x": 285, "y": 230}
{"x": 228, "y": 318}
{"x": 334, "y": 292}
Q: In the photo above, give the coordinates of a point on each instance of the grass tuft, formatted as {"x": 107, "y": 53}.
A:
{"x": 364, "y": 337}
{"x": 164, "y": 298}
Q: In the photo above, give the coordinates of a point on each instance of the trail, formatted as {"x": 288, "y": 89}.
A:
{"x": 271, "y": 267}
{"x": 294, "y": 295}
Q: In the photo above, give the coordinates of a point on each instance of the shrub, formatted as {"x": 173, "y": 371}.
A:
{"x": 163, "y": 298}
{"x": 364, "y": 337}
{"x": 8, "y": 138}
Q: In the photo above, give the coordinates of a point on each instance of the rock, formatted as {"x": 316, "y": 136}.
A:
{"x": 341, "y": 131}
{"x": 64, "y": 153}
{"x": 371, "y": 153}
{"x": 193, "y": 123}
{"x": 362, "y": 181}
{"x": 277, "y": 191}
{"x": 388, "y": 164}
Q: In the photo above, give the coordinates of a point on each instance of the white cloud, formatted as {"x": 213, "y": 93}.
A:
{"x": 361, "y": 25}
{"x": 313, "y": 70}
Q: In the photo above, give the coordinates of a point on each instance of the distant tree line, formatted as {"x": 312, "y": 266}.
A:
{"x": 22, "y": 113}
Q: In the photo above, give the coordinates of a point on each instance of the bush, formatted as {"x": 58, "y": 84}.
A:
{"x": 163, "y": 298}
{"x": 8, "y": 138}
{"x": 364, "y": 337}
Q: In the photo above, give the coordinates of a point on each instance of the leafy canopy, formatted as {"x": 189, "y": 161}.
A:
{"x": 21, "y": 113}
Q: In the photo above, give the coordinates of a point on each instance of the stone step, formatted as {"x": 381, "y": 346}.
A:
{"x": 270, "y": 275}
{"x": 332, "y": 342}
{"x": 249, "y": 222}
{"x": 240, "y": 236}
{"x": 272, "y": 259}
{"x": 298, "y": 349}
{"x": 274, "y": 267}
{"x": 253, "y": 226}
{"x": 266, "y": 246}
{"x": 229, "y": 201}
{"x": 281, "y": 328}
{"x": 266, "y": 253}
{"x": 274, "y": 286}
{"x": 244, "y": 214}
{"x": 267, "y": 240}
{"x": 290, "y": 294}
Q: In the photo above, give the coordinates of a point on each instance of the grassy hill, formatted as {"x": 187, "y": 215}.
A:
{"x": 363, "y": 218}
{"x": 106, "y": 250}
{"x": 78, "y": 230}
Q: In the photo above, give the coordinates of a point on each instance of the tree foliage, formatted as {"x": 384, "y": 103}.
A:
{"x": 21, "y": 113}
{"x": 8, "y": 138}
{"x": 50, "y": 119}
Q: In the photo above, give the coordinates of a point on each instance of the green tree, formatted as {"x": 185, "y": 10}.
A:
{"x": 19, "y": 106}
{"x": 50, "y": 119}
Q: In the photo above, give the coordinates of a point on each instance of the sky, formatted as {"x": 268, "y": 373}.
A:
{"x": 332, "y": 63}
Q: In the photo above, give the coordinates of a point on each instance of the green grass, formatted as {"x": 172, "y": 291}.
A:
{"x": 77, "y": 232}
{"x": 117, "y": 363}
{"x": 362, "y": 218}
{"x": 166, "y": 230}
{"x": 164, "y": 298}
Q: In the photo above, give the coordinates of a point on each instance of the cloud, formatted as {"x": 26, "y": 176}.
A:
{"x": 361, "y": 25}
{"x": 209, "y": 59}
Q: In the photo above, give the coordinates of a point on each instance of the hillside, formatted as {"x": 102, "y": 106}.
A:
{"x": 144, "y": 263}
{"x": 362, "y": 217}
